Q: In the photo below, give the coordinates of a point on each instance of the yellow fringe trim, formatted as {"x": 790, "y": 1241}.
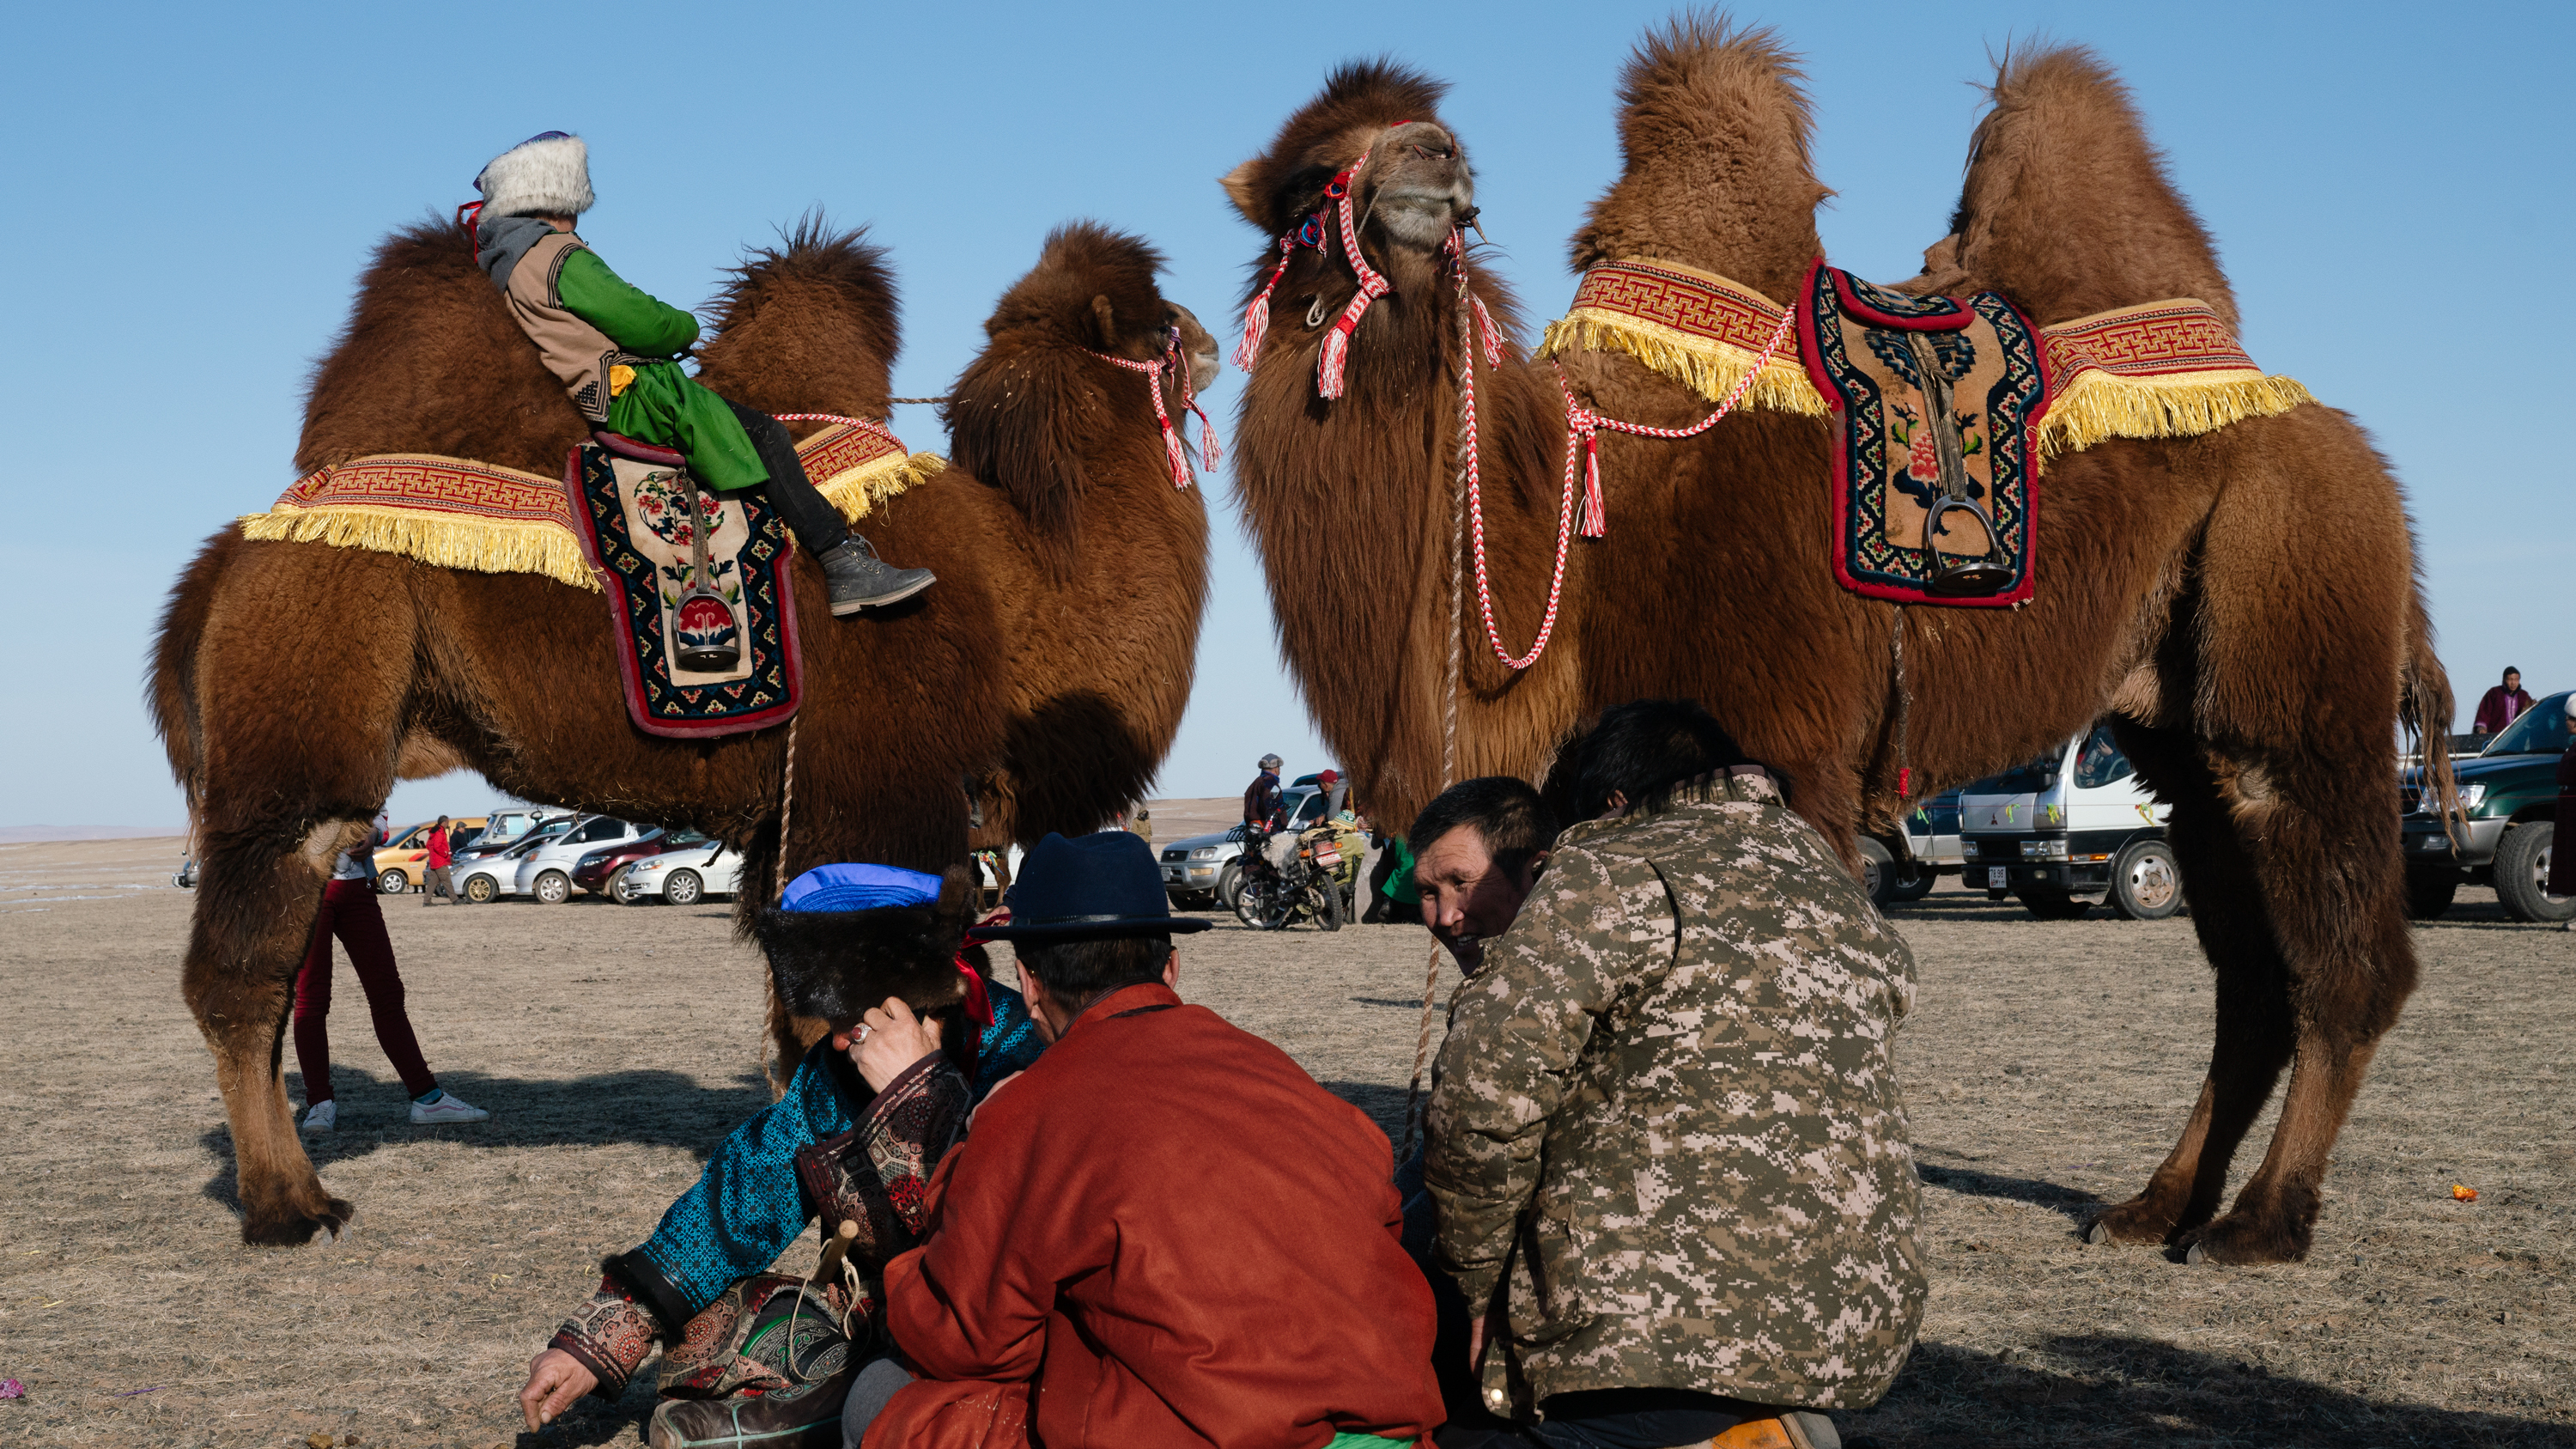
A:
{"x": 492, "y": 546}
{"x": 856, "y": 490}
{"x": 2100, "y": 405}
{"x": 1709, "y": 368}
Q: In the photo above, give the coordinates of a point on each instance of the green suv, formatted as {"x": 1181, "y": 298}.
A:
{"x": 2509, "y": 791}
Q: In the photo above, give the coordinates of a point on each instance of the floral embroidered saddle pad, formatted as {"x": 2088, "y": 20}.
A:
{"x": 1936, "y": 404}
{"x": 462, "y": 514}
{"x": 635, "y": 520}
{"x": 1866, "y": 356}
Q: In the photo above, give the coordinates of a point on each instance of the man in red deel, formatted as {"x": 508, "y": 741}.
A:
{"x": 1163, "y": 1233}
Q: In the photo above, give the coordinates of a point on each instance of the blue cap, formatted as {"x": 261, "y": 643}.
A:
{"x": 858, "y": 888}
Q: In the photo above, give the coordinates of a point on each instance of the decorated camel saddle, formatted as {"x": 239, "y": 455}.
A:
{"x": 698, "y": 589}
{"x": 1944, "y": 408}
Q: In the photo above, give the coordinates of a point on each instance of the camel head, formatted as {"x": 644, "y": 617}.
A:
{"x": 1039, "y": 413}
{"x": 1413, "y": 186}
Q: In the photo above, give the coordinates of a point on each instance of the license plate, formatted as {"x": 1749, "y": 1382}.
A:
{"x": 1997, "y": 877}
{"x": 1328, "y": 857}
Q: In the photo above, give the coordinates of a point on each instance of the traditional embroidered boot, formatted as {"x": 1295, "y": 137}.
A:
{"x": 861, "y": 580}
{"x": 807, "y": 1416}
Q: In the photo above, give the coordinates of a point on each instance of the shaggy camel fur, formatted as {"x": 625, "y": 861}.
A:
{"x": 2181, "y": 587}
{"x": 293, "y": 682}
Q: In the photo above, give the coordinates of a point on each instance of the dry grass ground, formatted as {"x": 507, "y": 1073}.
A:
{"x": 2047, "y": 1070}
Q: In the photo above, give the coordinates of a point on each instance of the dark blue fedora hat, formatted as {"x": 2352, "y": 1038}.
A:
{"x": 1094, "y": 885}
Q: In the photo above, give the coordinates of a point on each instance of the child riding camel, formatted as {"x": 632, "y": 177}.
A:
{"x": 614, "y": 348}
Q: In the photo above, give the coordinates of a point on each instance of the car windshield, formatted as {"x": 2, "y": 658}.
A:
{"x": 1304, "y": 803}
{"x": 2029, "y": 779}
{"x": 682, "y": 839}
{"x": 2542, "y": 730}
{"x": 2100, "y": 761}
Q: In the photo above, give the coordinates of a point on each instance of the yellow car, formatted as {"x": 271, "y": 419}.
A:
{"x": 403, "y": 860}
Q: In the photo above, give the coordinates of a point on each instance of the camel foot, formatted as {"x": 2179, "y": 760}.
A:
{"x": 293, "y": 1227}
{"x": 2241, "y": 1239}
{"x": 2141, "y": 1221}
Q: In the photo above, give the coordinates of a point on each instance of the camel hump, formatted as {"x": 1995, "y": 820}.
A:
{"x": 431, "y": 362}
{"x": 1713, "y": 130}
{"x": 2067, "y": 208}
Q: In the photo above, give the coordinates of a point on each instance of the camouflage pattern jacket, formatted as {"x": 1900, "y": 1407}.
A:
{"x": 1666, "y": 1114}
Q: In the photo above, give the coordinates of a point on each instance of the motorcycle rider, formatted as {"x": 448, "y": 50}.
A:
{"x": 1261, "y": 799}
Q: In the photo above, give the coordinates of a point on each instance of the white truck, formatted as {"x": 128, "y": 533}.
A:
{"x": 2070, "y": 829}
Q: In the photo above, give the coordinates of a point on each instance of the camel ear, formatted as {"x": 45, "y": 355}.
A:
{"x": 1238, "y": 186}
{"x": 1107, "y": 317}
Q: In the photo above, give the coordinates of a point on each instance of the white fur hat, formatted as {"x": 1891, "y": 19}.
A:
{"x": 544, "y": 175}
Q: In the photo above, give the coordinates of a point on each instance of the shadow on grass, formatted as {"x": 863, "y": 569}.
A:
{"x": 647, "y": 1108}
{"x": 1383, "y": 1104}
{"x": 2074, "y": 1202}
{"x": 2106, "y": 1390}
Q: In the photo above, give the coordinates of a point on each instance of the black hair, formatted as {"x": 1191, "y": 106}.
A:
{"x": 1075, "y": 971}
{"x": 1639, "y": 751}
{"x": 1514, "y": 822}
{"x": 2508, "y": 669}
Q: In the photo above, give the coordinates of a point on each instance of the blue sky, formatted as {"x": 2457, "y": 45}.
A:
{"x": 196, "y": 187}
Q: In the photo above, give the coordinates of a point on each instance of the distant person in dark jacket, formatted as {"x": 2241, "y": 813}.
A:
{"x": 2501, "y": 705}
{"x": 1261, "y": 797}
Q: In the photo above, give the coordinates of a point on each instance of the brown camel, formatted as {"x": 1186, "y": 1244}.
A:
{"x": 293, "y": 682}
{"x": 2181, "y": 588}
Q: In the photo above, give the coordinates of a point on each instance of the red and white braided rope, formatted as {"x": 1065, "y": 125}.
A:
{"x": 1173, "y": 448}
{"x": 1583, "y": 425}
{"x": 1333, "y": 363}
{"x": 877, "y": 428}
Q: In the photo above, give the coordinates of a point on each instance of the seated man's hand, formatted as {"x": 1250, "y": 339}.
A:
{"x": 889, "y": 1039}
{"x": 556, "y": 1381}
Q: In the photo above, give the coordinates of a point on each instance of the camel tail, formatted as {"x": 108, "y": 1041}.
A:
{"x": 170, "y": 686}
{"x": 2424, "y": 707}
{"x": 2066, "y": 206}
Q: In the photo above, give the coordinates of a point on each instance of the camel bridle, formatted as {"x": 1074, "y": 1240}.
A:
{"x": 1177, "y": 362}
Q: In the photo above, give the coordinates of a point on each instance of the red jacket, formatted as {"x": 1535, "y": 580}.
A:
{"x": 1181, "y": 1237}
{"x": 2498, "y": 708}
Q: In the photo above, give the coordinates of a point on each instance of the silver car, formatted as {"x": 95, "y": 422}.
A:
{"x": 1203, "y": 870}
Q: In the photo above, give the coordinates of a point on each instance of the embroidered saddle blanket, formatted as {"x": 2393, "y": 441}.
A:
{"x": 1931, "y": 397}
{"x": 2168, "y": 369}
{"x": 637, "y": 523}
{"x": 462, "y": 514}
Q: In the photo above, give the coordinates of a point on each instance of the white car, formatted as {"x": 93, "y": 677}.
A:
{"x": 682, "y": 877}
{"x": 487, "y": 872}
{"x": 546, "y": 872}
{"x": 2073, "y": 827}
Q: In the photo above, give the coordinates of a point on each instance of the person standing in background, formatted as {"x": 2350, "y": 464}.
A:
{"x": 2502, "y": 704}
{"x": 433, "y": 871}
{"x": 349, "y": 911}
{"x": 2562, "y": 839}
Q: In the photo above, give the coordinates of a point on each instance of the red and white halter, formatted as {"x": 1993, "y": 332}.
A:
{"x": 1173, "y": 448}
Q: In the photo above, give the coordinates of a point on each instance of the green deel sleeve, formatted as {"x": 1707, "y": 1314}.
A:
{"x": 634, "y": 320}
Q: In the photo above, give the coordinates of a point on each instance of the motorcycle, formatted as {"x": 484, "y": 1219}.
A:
{"x": 1314, "y": 883}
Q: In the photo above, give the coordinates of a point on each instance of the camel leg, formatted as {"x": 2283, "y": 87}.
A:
{"x": 256, "y": 903}
{"x": 300, "y": 679}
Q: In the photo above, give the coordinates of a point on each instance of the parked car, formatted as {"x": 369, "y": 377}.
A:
{"x": 1203, "y": 870}
{"x": 489, "y": 869}
{"x": 2071, "y": 828}
{"x": 509, "y": 827}
{"x": 403, "y": 860}
{"x": 546, "y": 872}
{"x": 682, "y": 876}
{"x": 2509, "y": 792}
{"x": 598, "y": 866}
{"x": 1932, "y": 847}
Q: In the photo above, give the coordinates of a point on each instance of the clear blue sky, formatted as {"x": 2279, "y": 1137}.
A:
{"x": 195, "y": 187}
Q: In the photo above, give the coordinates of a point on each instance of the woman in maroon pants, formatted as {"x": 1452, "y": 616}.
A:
{"x": 349, "y": 912}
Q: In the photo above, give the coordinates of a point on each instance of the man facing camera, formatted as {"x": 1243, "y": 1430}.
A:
{"x": 1163, "y": 1233}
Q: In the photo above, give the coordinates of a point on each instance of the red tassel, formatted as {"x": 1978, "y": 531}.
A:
{"x": 1595, "y": 521}
{"x": 1256, "y": 327}
{"x": 1336, "y": 358}
{"x": 1904, "y": 782}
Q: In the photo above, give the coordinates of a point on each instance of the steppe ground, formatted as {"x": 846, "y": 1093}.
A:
{"x": 2046, "y": 1071}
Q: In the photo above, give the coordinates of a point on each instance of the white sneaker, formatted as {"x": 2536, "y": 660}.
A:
{"x": 322, "y": 1116}
{"x": 449, "y": 1108}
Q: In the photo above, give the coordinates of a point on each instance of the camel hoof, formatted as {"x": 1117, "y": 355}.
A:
{"x": 2099, "y": 1234}
{"x": 295, "y": 1229}
{"x": 2196, "y": 1254}
{"x": 2136, "y": 1221}
{"x": 2240, "y": 1240}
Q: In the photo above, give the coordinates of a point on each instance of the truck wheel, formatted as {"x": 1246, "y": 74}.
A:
{"x": 2522, "y": 875}
{"x": 1914, "y": 881}
{"x": 2049, "y": 903}
{"x": 2146, "y": 882}
{"x": 2429, "y": 892}
{"x": 1877, "y": 871}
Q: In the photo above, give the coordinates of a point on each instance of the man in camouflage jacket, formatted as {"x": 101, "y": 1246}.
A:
{"x": 1665, "y": 1134}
